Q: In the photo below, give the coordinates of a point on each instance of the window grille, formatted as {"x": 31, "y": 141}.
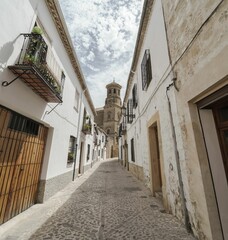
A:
{"x": 130, "y": 111}
{"x": 134, "y": 96}
{"x": 146, "y": 70}
{"x": 132, "y": 150}
{"x": 88, "y": 152}
{"x": 71, "y": 150}
{"x": 23, "y": 124}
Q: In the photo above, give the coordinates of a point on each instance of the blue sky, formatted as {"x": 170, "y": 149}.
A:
{"x": 104, "y": 34}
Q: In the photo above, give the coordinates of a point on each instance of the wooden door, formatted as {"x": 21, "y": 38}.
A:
{"x": 22, "y": 143}
{"x": 155, "y": 160}
{"x": 220, "y": 110}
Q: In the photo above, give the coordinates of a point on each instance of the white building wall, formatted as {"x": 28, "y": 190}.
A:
{"x": 63, "y": 120}
{"x": 151, "y": 102}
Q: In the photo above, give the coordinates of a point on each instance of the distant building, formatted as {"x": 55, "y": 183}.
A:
{"x": 108, "y": 117}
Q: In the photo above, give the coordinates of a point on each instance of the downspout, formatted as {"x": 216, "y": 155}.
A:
{"x": 177, "y": 157}
{"x": 76, "y": 150}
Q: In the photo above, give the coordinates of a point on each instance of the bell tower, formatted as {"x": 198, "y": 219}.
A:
{"x": 112, "y": 113}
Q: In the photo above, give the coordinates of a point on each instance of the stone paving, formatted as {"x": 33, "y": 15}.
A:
{"x": 111, "y": 204}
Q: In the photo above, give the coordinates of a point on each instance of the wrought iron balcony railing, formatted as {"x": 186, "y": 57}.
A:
{"x": 32, "y": 67}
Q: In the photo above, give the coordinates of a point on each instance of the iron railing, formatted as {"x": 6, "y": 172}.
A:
{"x": 34, "y": 53}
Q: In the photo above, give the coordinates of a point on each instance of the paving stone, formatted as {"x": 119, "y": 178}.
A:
{"x": 111, "y": 205}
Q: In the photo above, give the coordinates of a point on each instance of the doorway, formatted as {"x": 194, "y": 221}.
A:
{"x": 22, "y": 144}
{"x": 213, "y": 113}
{"x": 156, "y": 179}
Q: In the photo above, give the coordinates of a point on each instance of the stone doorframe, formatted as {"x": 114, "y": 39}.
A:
{"x": 157, "y": 181}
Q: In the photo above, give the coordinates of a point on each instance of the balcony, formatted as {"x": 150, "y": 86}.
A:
{"x": 37, "y": 67}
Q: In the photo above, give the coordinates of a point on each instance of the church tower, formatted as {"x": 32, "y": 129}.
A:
{"x": 108, "y": 117}
{"x": 112, "y": 112}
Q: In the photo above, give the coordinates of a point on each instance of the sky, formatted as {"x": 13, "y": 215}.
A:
{"x": 104, "y": 34}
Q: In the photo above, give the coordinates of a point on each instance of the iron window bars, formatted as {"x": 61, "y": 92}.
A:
{"x": 146, "y": 70}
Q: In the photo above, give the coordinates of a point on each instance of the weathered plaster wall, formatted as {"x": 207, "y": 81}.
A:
{"x": 153, "y": 101}
{"x": 200, "y": 71}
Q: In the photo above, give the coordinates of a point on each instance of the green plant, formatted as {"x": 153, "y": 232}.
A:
{"x": 70, "y": 156}
{"x": 29, "y": 59}
{"x": 37, "y": 30}
{"x": 87, "y": 127}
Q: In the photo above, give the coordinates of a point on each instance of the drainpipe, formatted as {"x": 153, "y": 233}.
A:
{"x": 75, "y": 157}
{"x": 177, "y": 157}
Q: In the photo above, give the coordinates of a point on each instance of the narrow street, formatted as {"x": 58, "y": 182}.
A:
{"x": 110, "y": 204}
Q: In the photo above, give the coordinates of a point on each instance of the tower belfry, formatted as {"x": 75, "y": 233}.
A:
{"x": 108, "y": 117}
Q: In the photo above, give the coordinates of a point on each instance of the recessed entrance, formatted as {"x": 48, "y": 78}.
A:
{"x": 213, "y": 112}
{"x": 156, "y": 179}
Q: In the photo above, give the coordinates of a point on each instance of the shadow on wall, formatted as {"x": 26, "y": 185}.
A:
{"x": 5, "y": 53}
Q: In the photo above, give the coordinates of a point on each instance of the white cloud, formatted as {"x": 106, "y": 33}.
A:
{"x": 104, "y": 34}
{"x": 91, "y": 56}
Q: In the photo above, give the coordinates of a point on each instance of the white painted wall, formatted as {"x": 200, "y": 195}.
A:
{"x": 63, "y": 121}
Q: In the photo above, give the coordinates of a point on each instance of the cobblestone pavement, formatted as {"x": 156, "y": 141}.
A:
{"x": 113, "y": 205}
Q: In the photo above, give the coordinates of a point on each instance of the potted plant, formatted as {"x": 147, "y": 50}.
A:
{"x": 70, "y": 156}
{"x": 37, "y": 30}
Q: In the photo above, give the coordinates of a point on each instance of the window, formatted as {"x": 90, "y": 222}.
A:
{"x": 102, "y": 138}
{"x": 134, "y": 96}
{"x": 76, "y": 100}
{"x": 108, "y": 131}
{"x": 130, "y": 111}
{"x": 109, "y": 91}
{"x": 146, "y": 70}
{"x": 88, "y": 152}
{"x": 132, "y": 150}
{"x": 23, "y": 124}
{"x": 109, "y": 115}
{"x": 71, "y": 150}
{"x": 114, "y": 90}
{"x": 63, "y": 77}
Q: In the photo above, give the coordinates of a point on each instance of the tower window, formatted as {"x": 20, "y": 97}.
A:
{"x": 114, "y": 90}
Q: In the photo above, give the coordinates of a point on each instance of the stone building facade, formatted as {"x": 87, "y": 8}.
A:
{"x": 108, "y": 117}
{"x": 176, "y": 138}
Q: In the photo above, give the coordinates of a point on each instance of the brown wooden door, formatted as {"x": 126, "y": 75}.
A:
{"x": 22, "y": 143}
{"x": 220, "y": 110}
